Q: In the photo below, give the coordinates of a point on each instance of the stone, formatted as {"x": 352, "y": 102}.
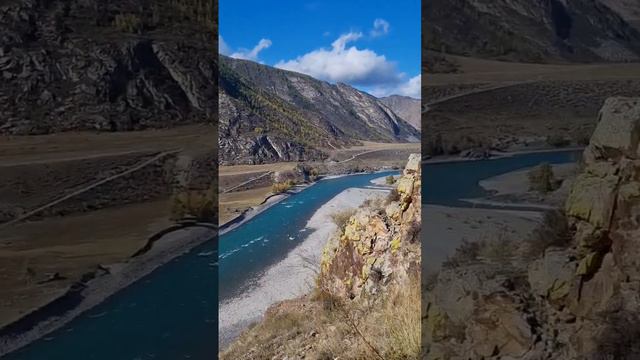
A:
{"x": 413, "y": 165}
{"x": 552, "y": 276}
{"x": 618, "y": 131}
{"x": 394, "y": 211}
{"x": 592, "y": 199}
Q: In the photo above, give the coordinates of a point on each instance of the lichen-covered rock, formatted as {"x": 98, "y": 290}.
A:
{"x": 618, "y": 131}
{"x": 377, "y": 246}
{"x": 592, "y": 198}
{"x": 552, "y": 276}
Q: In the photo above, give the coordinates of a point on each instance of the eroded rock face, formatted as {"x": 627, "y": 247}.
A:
{"x": 65, "y": 65}
{"x": 378, "y": 245}
{"x": 567, "y": 303}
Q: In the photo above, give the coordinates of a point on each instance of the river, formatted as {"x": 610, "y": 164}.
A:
{"x": 172, "y": 313}
{"x": 447, "y": 183}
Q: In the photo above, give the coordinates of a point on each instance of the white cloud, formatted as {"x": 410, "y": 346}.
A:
{"x": 411, "y": 88}
{"x": 246, "y": 54}
{"x": 223, "y": 48}
{"x": 345, "y": 64}
{"x": 253, "y": 53}
{"x": 380, "y": 27}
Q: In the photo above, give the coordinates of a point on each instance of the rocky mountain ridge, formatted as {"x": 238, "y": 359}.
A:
{"x": 268, "y": 115}
{"x": 531, "y": 31}
{"x": 406, "y": 107}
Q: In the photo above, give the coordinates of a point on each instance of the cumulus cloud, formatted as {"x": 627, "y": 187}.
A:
{"x": 344, "y": 63}
{"x": 380, "y": 27}
{"x": 252, "y": 54}
{"x": 411, "y": 88}
{"x": 246, "y": 54}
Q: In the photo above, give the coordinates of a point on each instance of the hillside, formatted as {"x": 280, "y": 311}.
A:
{"x": 107, "y": 66}
{"x": 269, "y": 115}
{"x": 406, "y": 107}
{"x": 532, "y": 31}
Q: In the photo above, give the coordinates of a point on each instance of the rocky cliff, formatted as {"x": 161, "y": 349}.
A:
{"x": 531, "y": 31}
{"x": 107, "y": 66}
{"x": 268, "y": 115}
{"x": 571, "y": 291}
{"x": 406, "y": 107}
{"x": 367, "y": 297}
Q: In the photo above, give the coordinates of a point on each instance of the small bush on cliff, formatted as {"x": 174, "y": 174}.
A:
{"x": 554, "y": 231}
{"x": 340, "y": 218}
{"x": 466, "y": 253}
{"x": 130, "y": 23}
{"x": 394, "y": 195}
{"x": 542, "y": 179}
{"x": 390, "y": 180}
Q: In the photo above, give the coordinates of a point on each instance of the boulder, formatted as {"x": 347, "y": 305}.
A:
{"x": 618, "y": 131}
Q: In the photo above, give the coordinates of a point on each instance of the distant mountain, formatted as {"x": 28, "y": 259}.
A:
{"x": 269, "y": 115}
{"x": 534, "y": 30}
{"x": 627, "y": 9}
{"x": 406, "y": 107}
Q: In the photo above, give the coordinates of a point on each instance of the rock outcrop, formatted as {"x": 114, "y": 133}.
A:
{"x": 378, "y": 246}
{"x": 579, "y": 300}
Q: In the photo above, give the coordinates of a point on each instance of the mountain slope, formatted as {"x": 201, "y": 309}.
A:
{"x": 406, "y": 107}
{"x": 268, "y": 114}
{"x": 627, "y": 9}
{"x": 530, "y": 30}
{"x": 118, "y": 65}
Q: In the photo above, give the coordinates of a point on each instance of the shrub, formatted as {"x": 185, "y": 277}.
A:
{"x": 558, "y": 141}
{"x": 340, "y": 218}
{"x": 394, "y": 195}
{"x": 554, "y": 231}
{"x": 390, "y": 180}
{"x": 200, "y": 204}
{"x": 130, "y": 23}
{"x": 541, "y": 179}
{"x": 466, "y": 253}
{"x": 281, "y": 187}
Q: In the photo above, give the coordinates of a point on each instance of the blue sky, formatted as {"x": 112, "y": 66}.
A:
{"x": 372, "y": 45}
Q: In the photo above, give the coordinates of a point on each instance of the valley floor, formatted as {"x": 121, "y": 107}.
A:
{"x": 43, "y": 255}
{"x": 245, "y": 187}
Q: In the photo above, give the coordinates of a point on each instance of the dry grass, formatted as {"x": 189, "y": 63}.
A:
{"x": 323, "y": 326}
{"x": 233, "y": 203}
{"x": 71, "y": 246}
